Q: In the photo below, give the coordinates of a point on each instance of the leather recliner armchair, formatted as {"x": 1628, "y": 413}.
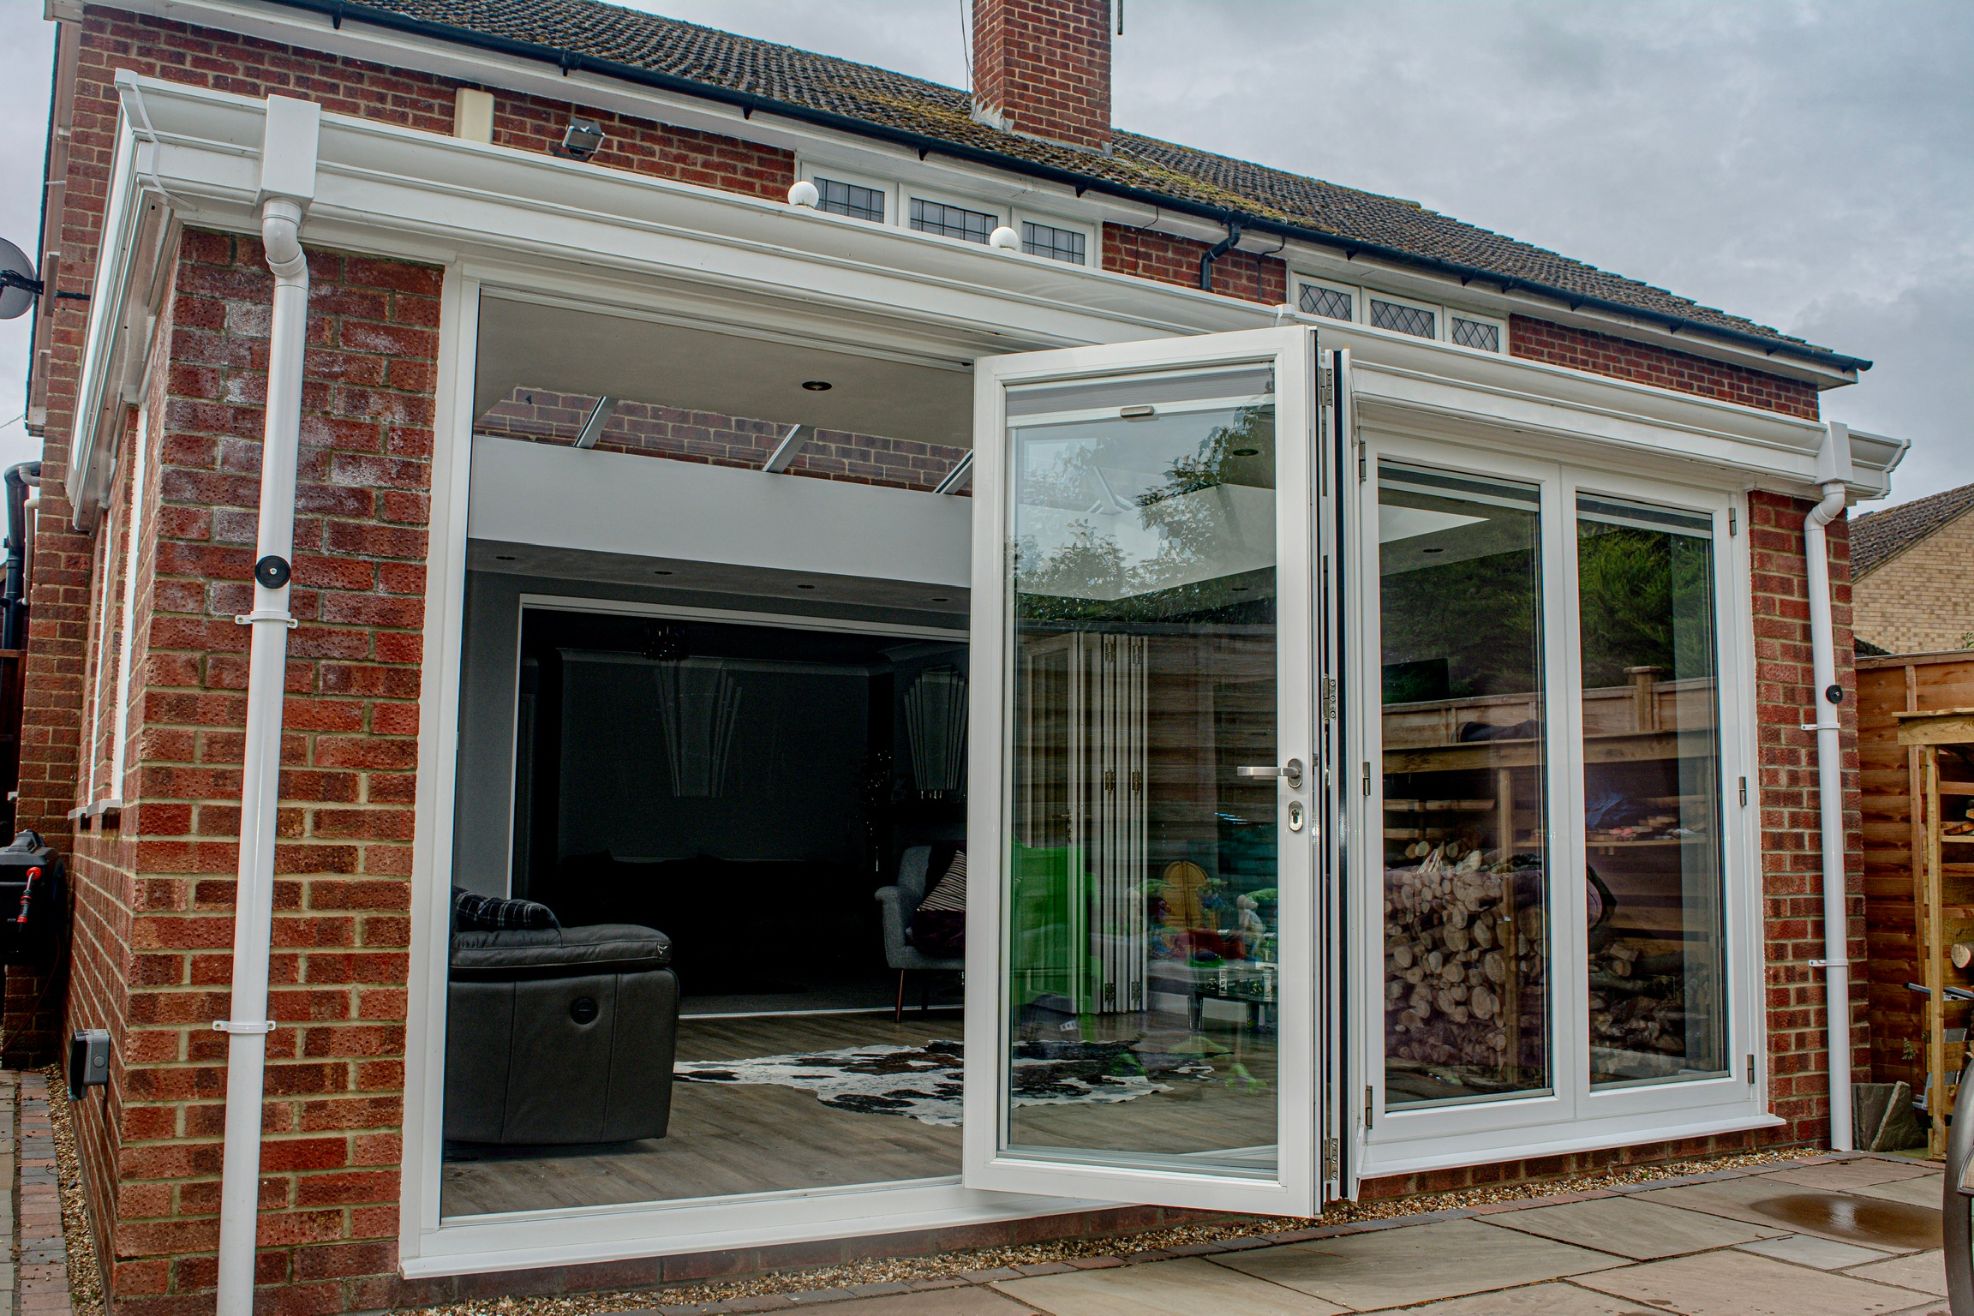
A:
{"x": 560, "y": 1035}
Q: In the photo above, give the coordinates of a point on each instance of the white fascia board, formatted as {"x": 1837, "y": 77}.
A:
{"x": 538, "y": 222}
{"x": 356, "y": 39}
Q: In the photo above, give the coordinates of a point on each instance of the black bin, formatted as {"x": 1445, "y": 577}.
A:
{"x": 31, "y": 899}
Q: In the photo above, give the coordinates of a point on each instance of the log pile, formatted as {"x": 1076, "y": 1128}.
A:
{"x": 1646, "y": 1002}
{"x": 1464, "y": 965}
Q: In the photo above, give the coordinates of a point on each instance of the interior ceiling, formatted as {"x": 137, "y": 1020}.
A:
{"x": 736, "y": 586}
{"x": 590, "y": 352}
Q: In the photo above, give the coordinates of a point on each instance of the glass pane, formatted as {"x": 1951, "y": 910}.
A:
{"x": 1418, "y": 322}
{"x": 849, "y": 199}
{"x": 1466, "y": 858}
{"x": 951, "y": 221}
{"x": 1651, "y": 792}
{"x": 1141, "y": 883}
{"x": 1476, "y": 333}
{"x": 1331, "y": 302}
{"x": 1061, "y": 244}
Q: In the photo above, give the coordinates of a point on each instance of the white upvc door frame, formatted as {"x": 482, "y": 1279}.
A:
{"x": 989, "y": 1163}
{"x": 1569, "y": 1115}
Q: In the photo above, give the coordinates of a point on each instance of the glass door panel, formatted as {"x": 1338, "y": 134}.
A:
{"x": 1652, "y": 792}
{"x": 1466, "y": 855}
{"x": 1149, "y": 1002}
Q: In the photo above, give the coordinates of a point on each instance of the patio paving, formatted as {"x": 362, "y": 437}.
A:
{"x": 1844, "y": 1236}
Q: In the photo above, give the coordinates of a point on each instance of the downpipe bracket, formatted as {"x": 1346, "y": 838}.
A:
{"x": 265, "y": 614}
{"x": 239, "y": 1027}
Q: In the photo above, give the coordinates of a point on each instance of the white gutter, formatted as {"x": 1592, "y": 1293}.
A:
{"x": 1834, "y": 466}
{"x": 288, "y": 154}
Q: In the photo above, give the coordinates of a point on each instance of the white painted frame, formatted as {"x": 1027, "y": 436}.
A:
{"x": 1360, "y": 307}
{"x": 813, "y": 171}
{"x": 1093, "y": 255}
{"x": 1352, "y": 291}
{"x": 1570, "y": 1116}
{"x": 989, "y": 1162}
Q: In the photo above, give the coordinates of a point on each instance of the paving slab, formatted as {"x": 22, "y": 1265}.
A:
{"x": 1399, "y": 1267}
{"x": 1842, "y": 1176}
{"x": 1733, "y": 1283}
{"x": 1809, "y": 1250}
{"x": 1642, "y": 1231}
{"x": 1759, "y": 1199}
{"x": 1925, "y": 1272}
{"x": 1914, "y": 1192}
{"x": 1184, "y": 1287}
{"x": 943, "y": 1302}
{"x": 1552, "y": 1299}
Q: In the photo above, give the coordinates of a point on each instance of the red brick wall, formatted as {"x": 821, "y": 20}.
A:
{"x": 154, "y": 922}
{"x": 1042, "y": 68}
{"x": 1661, "y": 367}
{"x": 1166, "y": 259}
{"x": 1791, "y": 865}
{"x": 645, "y": 429}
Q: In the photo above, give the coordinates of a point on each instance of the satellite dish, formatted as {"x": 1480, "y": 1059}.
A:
{"x": 18, "y": 286}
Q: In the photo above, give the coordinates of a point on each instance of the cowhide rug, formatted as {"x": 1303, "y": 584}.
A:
{"x": 924, "y": 1082}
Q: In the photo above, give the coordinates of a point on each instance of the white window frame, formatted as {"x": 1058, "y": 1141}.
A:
{"x": 1569, "y": 1116}
{"x": 999, "y": 214}
{"x": 127, "y": 640}
{"x": 816, "y": 172}
{"x": 1360, "y": 307}
{"x": 1092, "y": 236}
{"x": 1356, "y": 295}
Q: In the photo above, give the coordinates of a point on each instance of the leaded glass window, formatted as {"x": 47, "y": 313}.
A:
{"x": 840, "y": 198}
{"x": 1476, "y": 333}
{"x": 951, "y": 221}
{"x": 1414, "y": 320}
{"x": 1333, "y": 303}
{"x": 1063, "y": 244}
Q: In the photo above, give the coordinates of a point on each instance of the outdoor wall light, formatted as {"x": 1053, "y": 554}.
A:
{"x": 581, "y": 139}
{"x": 1004, "y": 239}
{"x": 804, "y": 194}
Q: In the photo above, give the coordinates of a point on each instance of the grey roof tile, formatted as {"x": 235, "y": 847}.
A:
{"x": 648, "y": 42}
{"x": 1877, "y": 537}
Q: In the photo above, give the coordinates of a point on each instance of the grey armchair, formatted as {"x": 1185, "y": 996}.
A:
{"x": 898, "y": 903}
{"x": 560, "y": 1035}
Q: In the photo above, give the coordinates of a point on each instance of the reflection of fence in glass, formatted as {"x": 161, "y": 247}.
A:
{"x": 1652, "y": 808}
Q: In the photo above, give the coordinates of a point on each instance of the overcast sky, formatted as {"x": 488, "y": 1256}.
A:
{"x": 1807, "y": 163}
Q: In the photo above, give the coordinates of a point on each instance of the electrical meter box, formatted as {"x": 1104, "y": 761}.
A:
{"x": 31, "y": 900}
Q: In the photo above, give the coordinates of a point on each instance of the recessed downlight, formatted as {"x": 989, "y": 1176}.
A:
{"x": 817, "y": 385}
{"x": 1245, "y": 452}
{"x": 941, "y": 598}
{"x": 661, "y": 573}
{"x": 503, "y": 557}
{"x": 1432, "y": 550}
{"x": 805, "y": 587}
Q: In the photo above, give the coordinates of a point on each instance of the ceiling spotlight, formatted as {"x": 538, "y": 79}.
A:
{"x": 503, "y": 557}
{"x": 817, "y": 385}
{"x": 1432, "y": 550}
{"x": 805, "y": 587}
{"x": 661, "y": 573}
{"x": 1245, "y": 452}
{"x": 581, "y": 139}
{"x": 940, "y": 598}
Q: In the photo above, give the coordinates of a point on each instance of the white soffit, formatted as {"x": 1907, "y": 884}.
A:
{"x": 579, "y": 349}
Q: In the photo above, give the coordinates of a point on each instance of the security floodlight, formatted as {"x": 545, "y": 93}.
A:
{"x": 581, "y": 139}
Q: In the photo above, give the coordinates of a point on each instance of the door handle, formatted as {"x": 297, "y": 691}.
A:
{"x": 1290, "y": 771}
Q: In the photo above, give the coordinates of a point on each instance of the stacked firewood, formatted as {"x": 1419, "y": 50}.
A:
{"x": 1464, "y": 964}
{"x": 1644, "y": 1000}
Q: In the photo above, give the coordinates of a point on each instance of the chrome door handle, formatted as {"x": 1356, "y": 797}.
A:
{"x": 1290, "y": 771}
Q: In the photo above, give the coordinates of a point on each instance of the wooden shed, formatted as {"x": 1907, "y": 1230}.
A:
{"x": 1894, "y": 846}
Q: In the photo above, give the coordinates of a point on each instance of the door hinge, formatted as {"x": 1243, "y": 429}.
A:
{"x": 1326, "y": 388}
{"x": 1733, "y": 522}
{"x": 1367, "y": 779}
{"x": 1363, "y": 466}
{"x": 1751, "y": 1069}
{"x": 1744, "y": 792}
{"x": 1329, "y": 699}
{"x": 1370, "y": 1103}
{"x": 1330, "y": 1155}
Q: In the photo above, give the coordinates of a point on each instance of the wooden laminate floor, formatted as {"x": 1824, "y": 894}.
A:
{"x": 732, "y": 1138}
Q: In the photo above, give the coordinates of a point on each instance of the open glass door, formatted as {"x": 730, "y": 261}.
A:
{"x": 1141, "y": 957}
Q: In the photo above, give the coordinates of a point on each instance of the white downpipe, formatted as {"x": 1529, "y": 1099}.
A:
{"x": 253, "y": 920}
{"x": 1836, "y": 962}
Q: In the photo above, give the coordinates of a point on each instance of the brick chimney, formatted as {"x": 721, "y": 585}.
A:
{"x": 1041, "y": 68}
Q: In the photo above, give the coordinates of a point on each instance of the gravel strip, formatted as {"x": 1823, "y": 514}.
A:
{"x": 85, "y": 1276}
{"x": 944, "y": 1269}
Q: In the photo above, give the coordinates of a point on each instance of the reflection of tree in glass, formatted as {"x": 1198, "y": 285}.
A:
{"x": 1647, "y": 601}
{"x": 1060, "y": 584}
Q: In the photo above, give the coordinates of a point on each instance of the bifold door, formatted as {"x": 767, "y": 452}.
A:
{"x": 1142, "y": 950}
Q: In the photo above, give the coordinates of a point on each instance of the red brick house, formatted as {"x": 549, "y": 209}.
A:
{"x": 588, "y": 498}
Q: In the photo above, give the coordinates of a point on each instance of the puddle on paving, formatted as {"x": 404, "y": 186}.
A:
{"x": 1865, "y": 1220}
